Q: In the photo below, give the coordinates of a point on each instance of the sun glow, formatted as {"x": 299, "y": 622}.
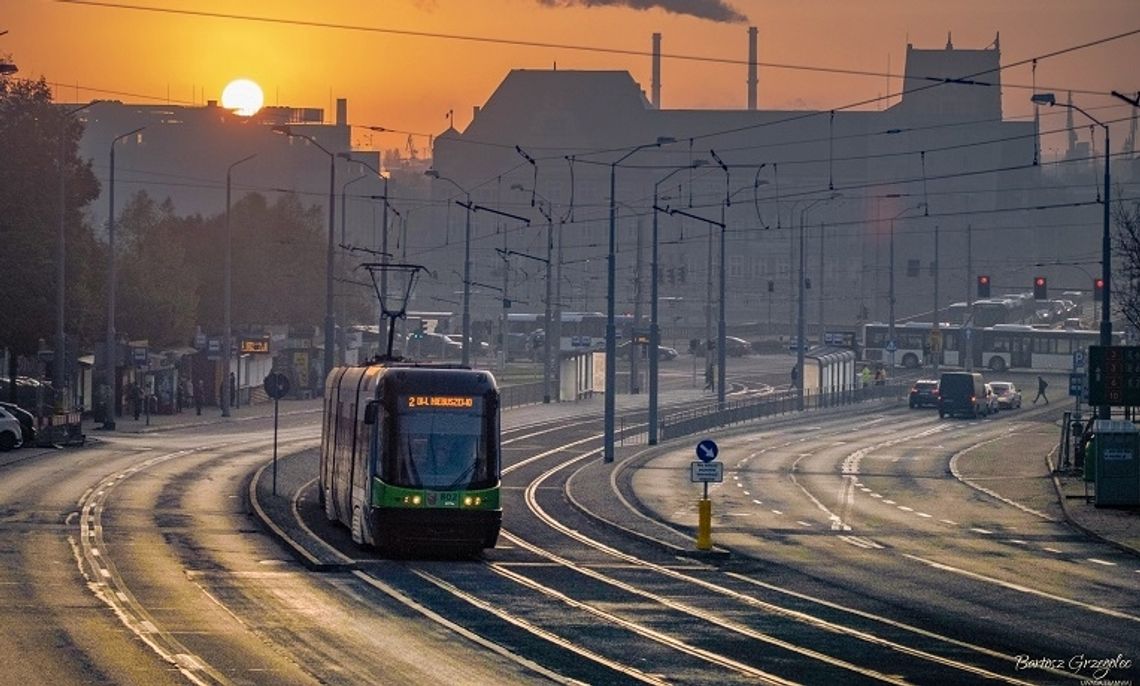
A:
{"x": 242, "y": 96}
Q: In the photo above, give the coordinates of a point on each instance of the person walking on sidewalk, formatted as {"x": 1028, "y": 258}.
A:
{"x": 136, "y": 398}
{"x": 199, "y": 396}
{"x": 1041, "y": 386}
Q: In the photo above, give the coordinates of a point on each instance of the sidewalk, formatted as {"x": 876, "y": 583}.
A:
{"x": 1119, "y": 527}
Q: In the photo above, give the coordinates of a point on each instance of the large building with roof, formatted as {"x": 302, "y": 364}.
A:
{"x": 939, "y": 165}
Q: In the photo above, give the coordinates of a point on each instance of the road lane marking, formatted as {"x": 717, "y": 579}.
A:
{"x": 1023, "y": 589}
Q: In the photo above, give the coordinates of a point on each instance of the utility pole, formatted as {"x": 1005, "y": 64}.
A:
{"x": 935, "y": 333}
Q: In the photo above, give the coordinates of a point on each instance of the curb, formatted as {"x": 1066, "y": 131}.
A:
{"x": 1072, "y": 521}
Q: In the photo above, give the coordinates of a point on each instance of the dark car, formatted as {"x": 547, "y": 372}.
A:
{"x": 924, "y": 393}
{"x": 963, "y": 394}
{"x": 664, "y": 352}
{"x": 27, "y": 421}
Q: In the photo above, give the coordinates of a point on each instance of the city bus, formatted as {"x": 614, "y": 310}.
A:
{"x": 998, "y": 348}
{"x": 410, "y": 456}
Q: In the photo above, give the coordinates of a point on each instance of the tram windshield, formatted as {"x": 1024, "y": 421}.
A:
{"x": 441, "y": 445}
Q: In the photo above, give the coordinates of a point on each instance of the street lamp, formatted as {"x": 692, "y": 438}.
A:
{"x": 611, "y": 331}
{"x": 227, "y": 331}
{"x": 891, "y": 281}
{"x": 330, "y": 316}
{"x": 548, "y": 330}
{"x": 800, "y": 342}
{"x": 1104, "y": 411}
{"x": 58, "y": 376}
{"x": 654, "y": 328}
{"x": 720, "y": 345}
{"x": 384, "y": 254}
{"x": 109, "y": 416}
{"x": 432, "y": 173}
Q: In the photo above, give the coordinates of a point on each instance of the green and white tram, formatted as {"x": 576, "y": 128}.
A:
{"x": 410, "y": 456}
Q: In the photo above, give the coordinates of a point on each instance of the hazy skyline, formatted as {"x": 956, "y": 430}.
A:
{"x": 406, "y": 63}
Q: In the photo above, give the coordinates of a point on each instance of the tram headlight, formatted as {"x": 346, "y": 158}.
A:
{"x": 472, "y": 501}
{"x": 414, "y": 499}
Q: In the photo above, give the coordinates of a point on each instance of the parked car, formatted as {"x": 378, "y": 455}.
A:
{"x": 924, "y": 393}
{"x": 478, "y": 348}
{"x": 1008, "y": 395}
{"x": 429, "y": 345}
{"x": 991, "y": 400}
{"x": 961, "y": 393}
{"x": 736, "y": 347}
{"x": 733, "y": 347}
{"x": 27, "y": 421}
{"x": 664, "y": 352}
{"x": 10, "y": 431}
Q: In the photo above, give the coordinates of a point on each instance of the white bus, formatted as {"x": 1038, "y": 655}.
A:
{"x": 998, "y": 348}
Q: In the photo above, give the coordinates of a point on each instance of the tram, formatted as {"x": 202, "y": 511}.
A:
{"x": 410, "y": 456}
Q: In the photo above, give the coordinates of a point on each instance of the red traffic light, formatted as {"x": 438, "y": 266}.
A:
{"x": 983, "y": 286}
{"x": 1039, "y": 281}
{"x": 1040, "y": 291}
{"x": 1098, "y": 286}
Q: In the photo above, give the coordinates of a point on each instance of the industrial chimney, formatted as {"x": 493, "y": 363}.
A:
{"x": 751, "y": 67}
{"x": 655, "y": 88}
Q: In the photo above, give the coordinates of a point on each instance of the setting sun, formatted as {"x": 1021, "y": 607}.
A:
{"x": 242, "y": 96}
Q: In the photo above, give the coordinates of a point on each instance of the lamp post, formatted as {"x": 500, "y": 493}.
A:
{"x": 330, "y": 316}
{"x": 611, "y": 331}
{"x": 109, "y": 418}
{"x": 1104, "y": 411}
{"x": 548, "y": 326}
{"x": 432, "y": 173}
{"x": 58, "y": 375}
{"x": 384, "y": 254}
{"x": 891, "y": 280}
{"x": 720, "y": 344}
{"x": 800, "y": 333}
{"x": 227, "y": 331}
{"x": 654, "y": 327}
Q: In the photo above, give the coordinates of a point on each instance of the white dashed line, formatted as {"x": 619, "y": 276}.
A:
{"x": 981, "y": 531}
{"x": 1106, "y": 563}
{"x": 1018, "y": 541}
{"x": 803, "y": 523}
{"x": 923, "y": 514}
{"x": 777, "y": 512}
{"x": 951, "y": 522}
{"x": 758, "y": 502}
{"x": 904, "y": 508}
{"x": 889, "y": 502}
{"x": 1052, "y": 550}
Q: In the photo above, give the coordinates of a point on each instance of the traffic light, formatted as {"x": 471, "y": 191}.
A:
{"x": 983, "y": 285}
{"x": 771, "y": 285}
{"x": 1040, "y": 288}
{"x": 1098, "y": 288}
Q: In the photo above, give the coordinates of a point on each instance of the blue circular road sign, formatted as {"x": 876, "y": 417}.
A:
{"x": 707, "y": 450}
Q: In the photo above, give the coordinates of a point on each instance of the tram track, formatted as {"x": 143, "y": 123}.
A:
{"x": 563, "y": 583}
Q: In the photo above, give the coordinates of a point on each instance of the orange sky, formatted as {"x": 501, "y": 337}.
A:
{"x": 410, "y": 82}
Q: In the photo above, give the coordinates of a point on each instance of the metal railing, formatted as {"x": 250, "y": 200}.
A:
{"x": 702, "y": 419}
{"x": 516, "y": 395}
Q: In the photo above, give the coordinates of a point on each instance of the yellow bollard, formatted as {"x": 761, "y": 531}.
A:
{"x": 704, "y": 524}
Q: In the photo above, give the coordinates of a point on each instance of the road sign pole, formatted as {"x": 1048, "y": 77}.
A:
{"x": 275, "y": 403}
{"x": 704, "y": 523}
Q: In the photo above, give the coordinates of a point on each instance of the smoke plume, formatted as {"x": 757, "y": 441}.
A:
{"x": 714, "y": 10}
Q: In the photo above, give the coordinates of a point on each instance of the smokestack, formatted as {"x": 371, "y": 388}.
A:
{"x": 341, "y": 111}
{"x": 655, "y": 89}
{"x": 751, "y": 67}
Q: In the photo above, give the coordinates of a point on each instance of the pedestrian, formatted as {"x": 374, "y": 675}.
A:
{"x": 199, "y": 396}
{"x": 1041, "y": 386}
{"x": 865, "y": 376}
{"x": 136, "y": 395}
{"x": 795, "y": 375}
{"x": 880, "y": 377}
{"x": 709, "y": 383}
{"x": 233, "y": 390}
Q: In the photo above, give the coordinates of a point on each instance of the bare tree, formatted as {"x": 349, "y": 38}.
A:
{"x": 1126, "y": 281}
